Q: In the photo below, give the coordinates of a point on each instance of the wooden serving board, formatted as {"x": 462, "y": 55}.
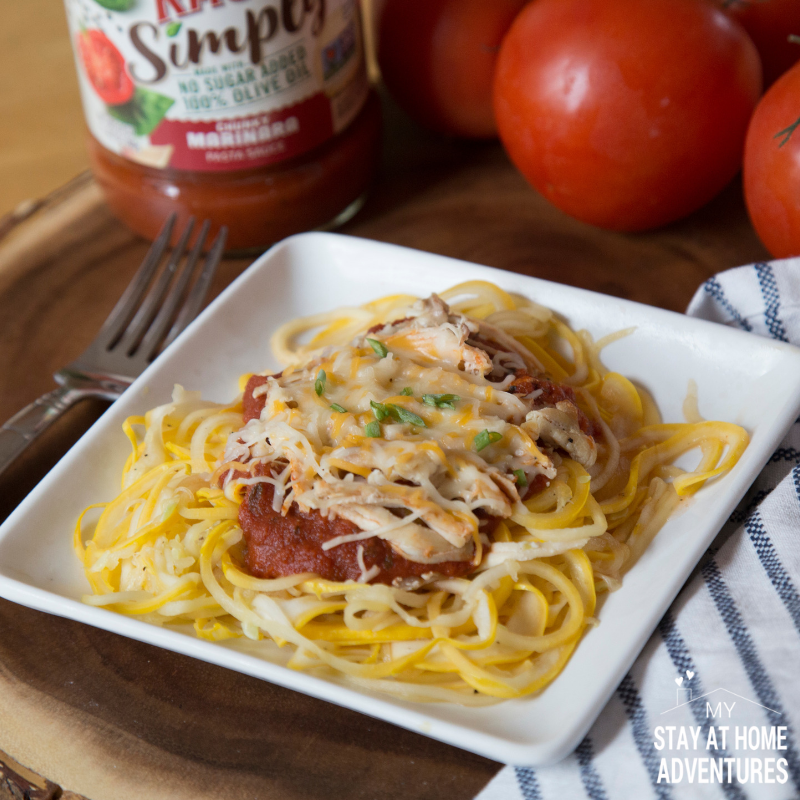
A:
{"x": 111, "y": 718}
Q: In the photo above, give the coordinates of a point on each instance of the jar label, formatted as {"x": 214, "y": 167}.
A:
{"x": 209, "y": 85}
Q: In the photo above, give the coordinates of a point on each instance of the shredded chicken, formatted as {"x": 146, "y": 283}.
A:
{"x": 412, "y": 541}
{"x": 560, "y": 428}
{"x": 435, "y": 475}
{"x": 413, "y": 498}
{"x": 436, "y": 336}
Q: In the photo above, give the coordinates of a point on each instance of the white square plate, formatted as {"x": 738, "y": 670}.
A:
{"x": 741, "y": 378}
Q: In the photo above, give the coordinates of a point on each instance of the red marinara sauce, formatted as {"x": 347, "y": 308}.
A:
{"x": 255, "y": 114}
{"x": 288, "y": 544}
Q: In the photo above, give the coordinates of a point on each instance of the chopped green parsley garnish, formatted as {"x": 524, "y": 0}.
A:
{"x": 440, "y": 400}
{"x": 407, "y": 392}
{"x": 319, "y": 383}
{"x": 381, "y": 412}
{"x": 337, "y": 407}
{"x": 404, "y": 415}
{"x": 373, "y": 429}
{"x": 522, "y": 480}
{"x": 485, "y": 438}
{"x": 378, "y": 347}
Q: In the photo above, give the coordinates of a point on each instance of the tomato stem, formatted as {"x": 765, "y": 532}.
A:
{"x": 787, "y": 132}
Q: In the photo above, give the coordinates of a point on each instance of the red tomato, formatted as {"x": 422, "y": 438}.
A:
{"x": 769, "y": 23}
{"x": 105, "y": 67}
{"x": 772, "y": 166}
{"x": 627, "y": 114}
{"x": 437, "y": 59}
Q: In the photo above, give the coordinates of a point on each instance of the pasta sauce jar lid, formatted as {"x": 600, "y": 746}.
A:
{"x": 217, "y": 85}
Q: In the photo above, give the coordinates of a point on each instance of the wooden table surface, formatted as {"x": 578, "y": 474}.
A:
{"x": 41, "y": 127}
{"x": 111, "y": 718}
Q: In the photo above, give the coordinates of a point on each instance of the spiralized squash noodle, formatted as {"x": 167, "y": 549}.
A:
{"x": 168, "y": 548}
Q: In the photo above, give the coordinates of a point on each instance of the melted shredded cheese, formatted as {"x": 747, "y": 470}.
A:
{"x": 402, "y": 420}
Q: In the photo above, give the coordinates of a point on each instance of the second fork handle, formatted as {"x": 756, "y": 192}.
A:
{"x": 26, "y": 425}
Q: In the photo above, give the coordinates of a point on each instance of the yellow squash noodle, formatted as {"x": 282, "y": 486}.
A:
{"x": 168, "y": 548}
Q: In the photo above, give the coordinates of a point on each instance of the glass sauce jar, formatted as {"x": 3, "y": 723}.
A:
{"x": 255, "y": 114}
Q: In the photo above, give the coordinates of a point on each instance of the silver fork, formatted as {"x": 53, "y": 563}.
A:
{"x": 136, "y": 331}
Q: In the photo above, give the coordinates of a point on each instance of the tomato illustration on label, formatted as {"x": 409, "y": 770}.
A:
{"x": 105, "y": 67}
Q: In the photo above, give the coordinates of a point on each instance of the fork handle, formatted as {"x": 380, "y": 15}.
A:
{"x": 26, "y": 425}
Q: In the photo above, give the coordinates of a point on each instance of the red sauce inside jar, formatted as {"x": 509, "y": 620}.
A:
{"x": 259, "y": 206}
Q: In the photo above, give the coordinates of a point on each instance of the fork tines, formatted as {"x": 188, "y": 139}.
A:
{"x": 142, "y": 325}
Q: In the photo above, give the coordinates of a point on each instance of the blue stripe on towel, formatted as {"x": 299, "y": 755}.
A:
{"x": 682, "y": 659}
{"x": 642, "y": 734}
{"x": 746, "y": 649}
{"x": 772, "y": 301}
{"x": 772, "y": 564}
{"x": 785, "y": 454}
{"x": 589, "y": 775}
{"x": 713, "y": 287}
{"x": 740, "y": 515}
{"x": 528, "y": 785}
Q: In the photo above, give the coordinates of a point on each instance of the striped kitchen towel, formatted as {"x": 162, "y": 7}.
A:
{"x": 735, "y": 625}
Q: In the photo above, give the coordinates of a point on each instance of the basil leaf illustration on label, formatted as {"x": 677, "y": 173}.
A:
{"x": 173, "y": 28}
{"x": 143, "y": 112}
{"x": 116, "y": 5}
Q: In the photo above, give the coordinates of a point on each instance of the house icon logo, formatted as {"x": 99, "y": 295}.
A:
{"x": 715, "y": 700}
{"x": 714, "y": 749}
